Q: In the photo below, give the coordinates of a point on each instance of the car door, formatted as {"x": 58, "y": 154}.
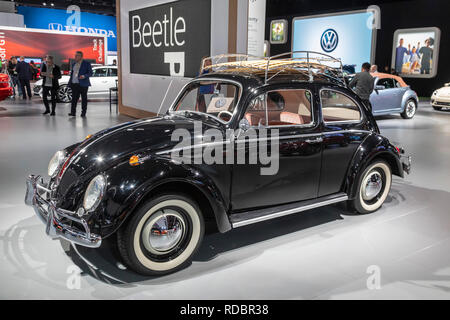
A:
{"x": 383, "y": 98}
{"x": 99, "y": 81}
{"x": 291, "y": 113}
{"x": 344, "y": 130}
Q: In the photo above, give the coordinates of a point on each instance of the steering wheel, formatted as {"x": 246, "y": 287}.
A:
{"x": 224, "y": 112}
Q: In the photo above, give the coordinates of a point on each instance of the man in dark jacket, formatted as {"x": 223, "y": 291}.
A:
{"x": 364, "y": 84}
{"x": 51, "y": 73}
{"x": 25, "y": 74}
{"x": 12, "y": 64}
{"x": 80, "y": 72}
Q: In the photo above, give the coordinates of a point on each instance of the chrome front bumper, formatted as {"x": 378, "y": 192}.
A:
{"x": 51, "y": 216}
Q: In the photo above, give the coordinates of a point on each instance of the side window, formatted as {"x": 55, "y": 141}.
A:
{"x": 112, "y": 72}
{"x": 338, "y": 107}
{"x": 281, "y": 108}
{"x": 100, "y": 72}
{"x": 387, "y": 83}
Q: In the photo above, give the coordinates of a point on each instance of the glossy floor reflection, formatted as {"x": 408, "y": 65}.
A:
{"x": 319, "y": 254}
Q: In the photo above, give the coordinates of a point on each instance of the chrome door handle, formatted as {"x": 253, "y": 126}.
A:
{"x": 317, "y": 140}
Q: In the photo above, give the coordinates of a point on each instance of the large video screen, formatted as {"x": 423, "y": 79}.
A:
{"x": 415, "y": 52}
{"x": 349, "y": 36}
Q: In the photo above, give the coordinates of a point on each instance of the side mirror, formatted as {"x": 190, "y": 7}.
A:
{"x": 244, "y": 125}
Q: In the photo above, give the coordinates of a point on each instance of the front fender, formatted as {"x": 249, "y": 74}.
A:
{"x": 129, "y": 186}
{"x": 373, "y": 147}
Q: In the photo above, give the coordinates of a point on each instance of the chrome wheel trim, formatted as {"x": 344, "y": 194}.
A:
{"x": 372, "y": 185}
{"x": 410, "y": 109}
{"x": 65, "y": 94}
{"x": 163, "y": 232}
{"x": 192, "y": 241}
{"x": 381, "y": 197}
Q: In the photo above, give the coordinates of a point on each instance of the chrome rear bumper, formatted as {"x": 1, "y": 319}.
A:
{"x": 52, "y": 216}
{"x": 406, "y": 163}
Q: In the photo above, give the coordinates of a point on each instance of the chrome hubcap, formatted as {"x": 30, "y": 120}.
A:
{"x": 410, "y": 109}
{"x": 163, "y": 231}
{"x": 372, "y": 186}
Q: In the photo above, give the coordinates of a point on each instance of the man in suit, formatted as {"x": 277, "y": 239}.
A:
{"x": 50, "y": 73}
{"x": 25, "y": 74}
{"x": 80, "y": 72}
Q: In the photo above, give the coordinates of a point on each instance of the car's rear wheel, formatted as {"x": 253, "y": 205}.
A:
{"x": 64, "y": 93}
{"x": 410, "y": 109}
{"x": 374, "y": 185}
{"x": 437, "y": 108}
{"x": 162, "y": 235}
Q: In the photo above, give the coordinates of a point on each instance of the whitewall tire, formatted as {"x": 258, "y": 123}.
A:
{"x": 374, "y": 185}
{"x": 162, "y": 235}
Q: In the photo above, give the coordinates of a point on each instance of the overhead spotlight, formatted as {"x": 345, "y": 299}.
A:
{"x": 44, "y": 3}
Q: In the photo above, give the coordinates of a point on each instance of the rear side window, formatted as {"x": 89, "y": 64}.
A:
{"x": 281, "y": 108}
{"x": 337, "y": 107}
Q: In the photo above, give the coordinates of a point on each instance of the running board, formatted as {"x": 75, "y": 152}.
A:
{"x": 259, "y": 215}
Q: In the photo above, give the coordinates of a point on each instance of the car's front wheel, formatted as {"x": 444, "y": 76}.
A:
{"x": 64, "y": 93}
{"x": 374, "y": 185}
{"x": 410, "y": 109}
{"x": 162, "y": 235}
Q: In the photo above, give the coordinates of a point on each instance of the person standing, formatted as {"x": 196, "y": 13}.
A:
{"x": 426, "y": 54}
{"x": 51, "y": 73}
{"x": 80, "y": 72}
{"x": 400, "y": 52}
{"x": 364, "y": 84}
{"x": 25, "y": 75}
{"x": 12, "y": 64}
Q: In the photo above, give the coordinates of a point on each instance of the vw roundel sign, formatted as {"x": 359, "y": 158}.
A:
{"x": 329, "y": 40}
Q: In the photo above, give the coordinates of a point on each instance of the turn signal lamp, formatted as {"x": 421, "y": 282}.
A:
{"x": 134, "y": 161}
{"x": 89, "y": 136}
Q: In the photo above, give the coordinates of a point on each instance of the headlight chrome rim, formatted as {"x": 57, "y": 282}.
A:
{"x": 92, "y": 205}
{"x": 55, "y": 163}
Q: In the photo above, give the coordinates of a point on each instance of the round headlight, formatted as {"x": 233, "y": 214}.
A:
{"x": 94, "y": 193}
{"x": 55, "y": 163}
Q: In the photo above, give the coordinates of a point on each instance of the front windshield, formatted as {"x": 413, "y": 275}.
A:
{"x": 214, "y": 98}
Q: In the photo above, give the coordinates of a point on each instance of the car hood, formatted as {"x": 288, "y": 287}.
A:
{"x": 443, "y": 91}
{"x": 64, "y": 79}
{"x": 110, "y": 147}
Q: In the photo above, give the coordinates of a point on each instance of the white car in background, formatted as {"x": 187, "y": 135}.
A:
{"x": 441, "y": 97}
{"x": 103, "y": 78}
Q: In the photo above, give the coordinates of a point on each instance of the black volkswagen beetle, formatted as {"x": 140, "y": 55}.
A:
{"x": 127, "y": 180}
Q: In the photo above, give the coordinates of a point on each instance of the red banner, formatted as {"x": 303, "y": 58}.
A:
{"x": 31, "y": 44}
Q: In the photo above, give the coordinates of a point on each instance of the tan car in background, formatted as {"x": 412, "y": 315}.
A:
{"x": 441, "y": 98}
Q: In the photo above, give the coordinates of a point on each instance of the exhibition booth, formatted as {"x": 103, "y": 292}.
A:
{"x": 260, "y": 149}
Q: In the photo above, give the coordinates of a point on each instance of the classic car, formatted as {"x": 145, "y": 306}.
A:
{"x": 128, "y": 180}
{"x": 441, "y": 98}
{"x": 103, "y": 78}
{"x": 5, "y": 88}
{"x": 392, "y": 95}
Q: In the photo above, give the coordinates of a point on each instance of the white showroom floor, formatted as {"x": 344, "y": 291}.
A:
{"x": 320, "y": 254}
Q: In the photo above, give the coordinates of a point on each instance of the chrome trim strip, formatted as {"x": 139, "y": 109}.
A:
{"x": 288, "y": 212}
{"x": 287, "y": 137}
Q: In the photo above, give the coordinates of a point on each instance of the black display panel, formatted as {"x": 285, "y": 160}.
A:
{"x": 170, "y": 39}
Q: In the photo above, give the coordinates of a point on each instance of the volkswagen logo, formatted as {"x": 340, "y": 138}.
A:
{"x": 329, "y": 40}
{"x": 56, "y": 26}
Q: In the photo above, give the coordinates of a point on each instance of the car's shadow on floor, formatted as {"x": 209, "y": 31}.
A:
{"x": 218, "y": 251}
